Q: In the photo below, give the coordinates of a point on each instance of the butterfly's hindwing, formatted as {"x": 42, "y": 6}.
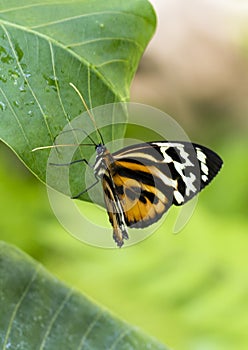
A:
{"x": 144, "y": 197}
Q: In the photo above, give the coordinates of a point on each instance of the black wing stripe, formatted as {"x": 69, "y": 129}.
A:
{"x": 159, "y": 179}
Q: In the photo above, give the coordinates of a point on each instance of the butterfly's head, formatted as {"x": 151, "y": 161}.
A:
{"x": 100, "y": 149}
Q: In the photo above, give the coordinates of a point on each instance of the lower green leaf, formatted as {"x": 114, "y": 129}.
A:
{"x": 40, "y": 312}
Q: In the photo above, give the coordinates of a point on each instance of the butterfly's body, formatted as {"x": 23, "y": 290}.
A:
{"x": 141, "y": 182}
{"x": 105, "y": 169}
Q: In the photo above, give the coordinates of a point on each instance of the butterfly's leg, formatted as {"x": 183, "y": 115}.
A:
{"x": 86, "y": 190}
{"x": 125, "y": 234}
{"x": 73, "y": 162}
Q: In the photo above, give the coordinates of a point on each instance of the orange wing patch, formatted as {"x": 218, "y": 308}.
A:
{"x": 142, "y": 203}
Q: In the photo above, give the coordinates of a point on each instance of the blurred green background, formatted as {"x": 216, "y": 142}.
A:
{"x": 189, "y": 290}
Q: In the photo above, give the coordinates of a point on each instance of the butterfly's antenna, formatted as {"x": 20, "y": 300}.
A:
{"x": 64, "y": 145}
{"x": 81, "y": 130}
{"x": 88, "y": 111}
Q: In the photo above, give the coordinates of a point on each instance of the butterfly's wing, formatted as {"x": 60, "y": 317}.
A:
{"x": 150, "y": 177}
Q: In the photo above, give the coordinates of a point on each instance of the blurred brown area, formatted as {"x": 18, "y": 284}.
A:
{"x": 195, "y": 67}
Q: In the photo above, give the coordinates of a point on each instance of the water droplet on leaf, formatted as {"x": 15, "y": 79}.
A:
{"x": 19, "y": 52}
{"x": 52, "y": 81}
{"x": 3, "y": 106}
{"x": 16, "y": 104}
{"x": 14, "y": 74}
{"x": 22, "y": 88}
{"x": 3, "y": 78}
{"x": 5, "y": 57}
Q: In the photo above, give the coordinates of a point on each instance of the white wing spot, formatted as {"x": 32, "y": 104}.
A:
{"x": 204, "y": 168}
{"x": 200, "y": 155}
{"x": 189, "y": 181}
{"x": 167, "y": 158}
{"x": 180, "y": 147}
{"x": 166, "y": 180}
{"x": 178, "y": 197}
{"x": 204, "y": 178}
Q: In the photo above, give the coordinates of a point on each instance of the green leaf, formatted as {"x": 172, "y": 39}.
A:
{"x": 44, "y": 46}
{"x": 39, "y": 312}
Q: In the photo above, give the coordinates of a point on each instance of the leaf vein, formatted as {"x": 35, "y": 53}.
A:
{"x": 89, "y": 329}
{"x": 119, "y": 338}
{"x": 19, "y": 8}
{"x": 68, "y": 19}
{"x": 16, "y": 118}
{"x": 86, "y": 42}
{"x": 111, "y": 61}
{"x": 56, "y": 82}
{"x": 18, "y": 304}
{"x": 51, "y": 323}
{"x": 89, "y": 87}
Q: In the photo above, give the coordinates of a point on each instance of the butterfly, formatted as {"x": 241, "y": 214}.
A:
{"x": 142, "y": 181}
